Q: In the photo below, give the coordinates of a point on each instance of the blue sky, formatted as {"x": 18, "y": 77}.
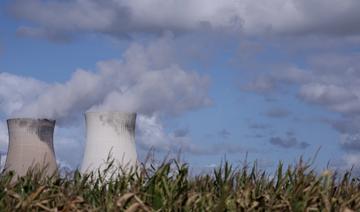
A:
{"x": 221, "y": 78}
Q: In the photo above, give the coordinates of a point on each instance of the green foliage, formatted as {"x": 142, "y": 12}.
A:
{"x": 170, "y": 187}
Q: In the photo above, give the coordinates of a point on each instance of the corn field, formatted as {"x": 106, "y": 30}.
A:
{"x": 170, "y": 187}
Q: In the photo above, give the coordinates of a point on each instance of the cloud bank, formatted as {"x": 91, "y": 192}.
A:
{"x": 331, "y": 82}
{"x": 122, "y": 18}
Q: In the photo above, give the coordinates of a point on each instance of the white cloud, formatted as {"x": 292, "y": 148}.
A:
{"x": 351, "y": 161}
{"x": 152, "y": 134}
{"x": 121, "y": 18}
{"x": 267, "y": 83}
{"x": 350, "y": 142}
{"x": 146, "y": 80}
{"x": 15, "y": 91}
{"x": 339, "y": 98}
{"x": 332, "y": 81}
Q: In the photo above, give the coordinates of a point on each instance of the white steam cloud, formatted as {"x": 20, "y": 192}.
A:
{"x": 145, "y": 80}
{"x": 16, "y": 91}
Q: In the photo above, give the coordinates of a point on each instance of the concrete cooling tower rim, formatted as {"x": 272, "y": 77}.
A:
{"x": 32, "y": 119}
{"x": 111, "y": 112}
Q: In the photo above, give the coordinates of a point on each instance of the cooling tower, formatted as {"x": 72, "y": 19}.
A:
{"x": 30, "y": 145}
{"x": 109, "y": 133}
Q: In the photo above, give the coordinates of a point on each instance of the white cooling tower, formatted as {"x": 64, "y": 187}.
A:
{"x": 30, "y": 145}
{"x": 109, "y": 133}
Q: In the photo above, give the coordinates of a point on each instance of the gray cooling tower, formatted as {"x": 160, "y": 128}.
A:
{"x": 30, "y": 145}
{"x": 109, "y": 133}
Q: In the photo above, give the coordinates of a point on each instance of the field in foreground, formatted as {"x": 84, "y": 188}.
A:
{"x": 170, "y": 187}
